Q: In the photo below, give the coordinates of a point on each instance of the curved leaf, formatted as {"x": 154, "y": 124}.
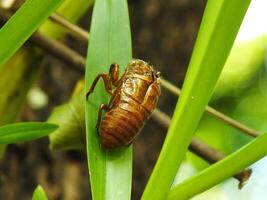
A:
{"x": 221, "y": 170}
{"x": 71, "y": 120}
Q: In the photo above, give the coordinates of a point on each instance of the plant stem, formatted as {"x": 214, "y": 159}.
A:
{"x": 59, "y": 50}
{"x": 221, "y": 170}
{"x": 72, "y": 28}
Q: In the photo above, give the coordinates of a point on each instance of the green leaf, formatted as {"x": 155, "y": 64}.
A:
{"x": 71, "y": 120}
{"x": 39, "y": 194}
{"x": 216, "y": 36}
{"x": 242, "y": 68}
{"x": 25, "y": 131}
{"x": 22, "y": 24}
{"x": 16, "y": 78}
{"x": 110, "y": 41}
{"x": 222, "y": 170}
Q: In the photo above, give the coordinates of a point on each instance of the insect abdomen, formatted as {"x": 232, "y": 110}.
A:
{"x": 122, "y": 124}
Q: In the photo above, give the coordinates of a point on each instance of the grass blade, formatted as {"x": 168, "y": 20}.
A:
{"x": 212, "y": 47}
{"x": 110, "y": 41}
{"x": 25, "y": 131}
{"x": 18, "y": 29}
{"x": 222, "y": 170}
{"x": 39, "y": 194}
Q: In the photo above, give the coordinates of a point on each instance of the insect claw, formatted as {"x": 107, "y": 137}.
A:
{"x": 97, "y": 130}
{"x": 87, "y": 95}
{"x": 129, "y": 144}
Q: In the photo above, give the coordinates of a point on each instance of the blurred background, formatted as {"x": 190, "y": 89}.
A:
{"x": 163, "y": 33}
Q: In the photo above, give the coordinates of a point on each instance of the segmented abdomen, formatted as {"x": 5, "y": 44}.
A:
{"x": 122, "y": 124}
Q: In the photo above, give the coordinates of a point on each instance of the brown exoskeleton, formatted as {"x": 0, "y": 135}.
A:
{"x": 135, "y": 97}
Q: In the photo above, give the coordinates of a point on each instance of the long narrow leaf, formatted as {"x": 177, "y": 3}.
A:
{"x": 218, "y": 172}
{"x": 110, "y": 41}
{"x": 39, "y": 194}
{"x": 219, "y": 27}
{"x": 22, "y": 24}
{"x": 25, "y": 131}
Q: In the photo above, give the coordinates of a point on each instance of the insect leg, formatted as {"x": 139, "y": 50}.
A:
{"x": 129, "y": 144}
{"x": 101, "y": 108}
{"x": 114, "y": 73}
{"x": 151, "y": 97}
{"x": 107, "y": 84}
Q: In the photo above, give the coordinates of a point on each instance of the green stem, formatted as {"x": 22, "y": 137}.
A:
{"x": 222, "y": 170}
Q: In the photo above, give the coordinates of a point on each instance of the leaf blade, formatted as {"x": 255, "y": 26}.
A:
{"x": 39, "y": 194}
{"x": 221, "y": 170}
{"x": 21, "y": 132}
{"x": 18, "y": 29}
{"x": 109, "y": 30}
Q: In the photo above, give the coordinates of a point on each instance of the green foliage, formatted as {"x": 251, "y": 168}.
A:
{"x": 39, "y": 194}
{"x": 16, "y": 77}
{"x": 110, "y": 41}
{"x": 241, "y": 85}
{"x": 223, "y": 169}
{"x": 25, "y": 65}
{"x": 17, "y": 30}
{"x": 21, "y": 132}
{"x": 71, "y": 120}
{"x": 212, "y": 47}
{"x": 242, "y": 67}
